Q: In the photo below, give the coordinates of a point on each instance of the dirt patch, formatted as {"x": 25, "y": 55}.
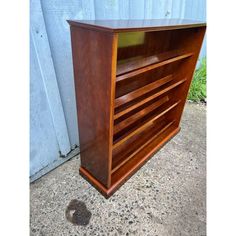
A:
{"x": 77, "y": 213}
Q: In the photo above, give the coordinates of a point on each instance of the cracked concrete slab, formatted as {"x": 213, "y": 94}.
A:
{"x": 166, "y": 197}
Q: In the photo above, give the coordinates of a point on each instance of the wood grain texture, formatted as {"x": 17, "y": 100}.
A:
{"x": 124, "y": 173}
{"x": 136, "y": 25}
{"x": 151, "y": 67}
{"x": 137, "y": 63}
{"x": 189, "y": 40}
{"x": 120, "y": 177}
{"x": 134, "y": 147}
{"x": 142, "y": 91}
{"x": 143, "y": 125}
{"x": 55, "y": 14}
{"x": 138, "y": 115}
{"x": 129, "y": 99}
{"x": 148, "y": 98}
{"x": 93, "y": 73}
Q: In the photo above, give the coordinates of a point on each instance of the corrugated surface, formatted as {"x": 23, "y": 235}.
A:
{"x": 51, "y": 62}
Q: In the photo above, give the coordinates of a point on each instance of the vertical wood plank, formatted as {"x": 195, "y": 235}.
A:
{"x": 56, "y": 12}
{"x": 123, "y": 9}
{"x": 88, "y": 9}
{"x": 201, "y": 14}
{"x": 93, "y": 73}
{"x": 148, "y": 9}
{"x": 43, "y": 53}
{"x": 136, "y": 9}
{"x": 168, "y": 9}
{"x": 106, "y": 9}
{"x": 55, "y": 35}
{"x": 182, "y": 13}
{"x": 44, "y": 147}
{"x": 176, "y": 8}
{"x": 196, "y": 10}
{"x": 191, "y": 9}
{"x": 158, "y": 10}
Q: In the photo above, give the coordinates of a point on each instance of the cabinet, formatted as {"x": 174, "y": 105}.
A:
{"x": 131, "y": 80}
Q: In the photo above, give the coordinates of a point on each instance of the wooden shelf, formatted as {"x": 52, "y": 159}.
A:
{"x": 130, "y": 91}
{"x": 123, "y": 170}
{"x": 144, "y": 124}
{"x": 138, "y": 115}
{"x": 130, "y": 149}
{"x": 135, "y": 104}
{"x": 141, "y": 91}
{"x": 137, "y": 66}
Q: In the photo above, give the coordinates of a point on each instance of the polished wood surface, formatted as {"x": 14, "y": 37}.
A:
{"x": 94, "y": 97}
{"x": 126, "y": 171}
{"x": 123, "y": 174}
{"x": 142, "y": 91}
{"x": 143, "y": 125}
{"x": 125, "y": 66}
{"x": 131, "y": 80}
{"x": 132, "y": 148}
{"x": 147, "y": 99}
{"x": 131, "y": 119}
{"x": 135, "y": 25}
{"x": 151, "y": 67}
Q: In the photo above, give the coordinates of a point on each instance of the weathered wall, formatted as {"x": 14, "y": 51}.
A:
{"x": 53, "y": 109}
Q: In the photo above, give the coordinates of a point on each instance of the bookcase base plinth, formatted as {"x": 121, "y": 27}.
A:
{"x": 107, "y": 192}
{"x": 94, "y": 182}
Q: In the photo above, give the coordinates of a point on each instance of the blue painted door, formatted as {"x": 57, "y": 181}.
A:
{"x": 48, "y": 130}
{"x": 54, "y": 131}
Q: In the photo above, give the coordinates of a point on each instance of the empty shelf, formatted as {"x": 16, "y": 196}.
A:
{"x": 137, "y": 160}
{"x": 135, "y": 104}
{"x": 138, "y": 66}
{"x": 145, "y": 124}
{"x": 139, "y": 114}
{"x": 141, "y": 91}
{"x": 130, "y": 149}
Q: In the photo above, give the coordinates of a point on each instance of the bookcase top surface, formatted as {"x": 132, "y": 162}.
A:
{"x": 137, "y": 25}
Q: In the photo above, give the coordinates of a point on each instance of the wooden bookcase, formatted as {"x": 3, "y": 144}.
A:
{"x": 131, "y": 80}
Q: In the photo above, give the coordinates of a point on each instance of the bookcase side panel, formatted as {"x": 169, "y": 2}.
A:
{"x": 189, "y": 42}
{"x": 93, "y": 68}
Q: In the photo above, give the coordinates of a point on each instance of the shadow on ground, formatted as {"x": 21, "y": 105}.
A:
{"x": 165, "y": 197}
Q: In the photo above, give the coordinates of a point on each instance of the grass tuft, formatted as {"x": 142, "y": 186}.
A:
{"x": 197, "y": 92}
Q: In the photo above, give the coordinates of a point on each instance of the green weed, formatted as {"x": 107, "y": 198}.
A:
{"x": 197, "y": 90}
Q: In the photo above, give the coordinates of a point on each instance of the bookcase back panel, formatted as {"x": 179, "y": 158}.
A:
{"x": 145, "y": 44}
{"x": 125, "y": 86}
{"x": 131, "y": 86}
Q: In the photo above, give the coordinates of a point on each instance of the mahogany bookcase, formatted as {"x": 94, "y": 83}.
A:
{"x": 131, "y": 81}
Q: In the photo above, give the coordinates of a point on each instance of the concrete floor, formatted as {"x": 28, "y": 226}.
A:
{"x": 166, "y": 197}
